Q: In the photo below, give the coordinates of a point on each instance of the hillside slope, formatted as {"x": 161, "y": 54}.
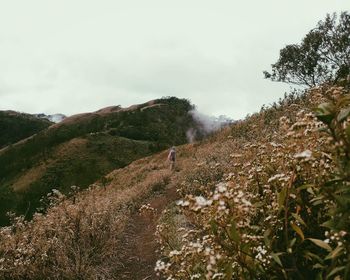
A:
{"x": 256, "y": 202}
{"x": 277, "y": 207}
{"x": 83, "y": 148}
{"x": 16, "y": 126}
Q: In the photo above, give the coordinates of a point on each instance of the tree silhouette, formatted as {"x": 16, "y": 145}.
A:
{"x": 322, "y": 56}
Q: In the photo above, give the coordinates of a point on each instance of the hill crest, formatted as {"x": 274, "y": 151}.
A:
{"x": 64, "y": 153}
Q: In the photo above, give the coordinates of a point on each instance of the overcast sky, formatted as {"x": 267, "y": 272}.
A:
{"x": 72, "y": 56}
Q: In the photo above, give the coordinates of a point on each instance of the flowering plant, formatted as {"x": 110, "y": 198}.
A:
{"x": 281, "y": 210}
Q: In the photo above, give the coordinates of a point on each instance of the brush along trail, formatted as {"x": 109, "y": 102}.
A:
{"x": 139, "y": 245}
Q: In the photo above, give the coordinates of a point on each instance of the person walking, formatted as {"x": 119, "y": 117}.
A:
{"x": 172, "y": 158}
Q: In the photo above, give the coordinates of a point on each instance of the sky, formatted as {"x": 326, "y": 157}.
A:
{"x": 74, "y": 56}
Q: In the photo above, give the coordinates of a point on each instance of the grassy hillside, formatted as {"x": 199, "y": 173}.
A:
{"x": 277, "y": 207}
{"x": 83, "y": 148}
{"x": 16, "y": 126}
{"x": 267, "y": 198}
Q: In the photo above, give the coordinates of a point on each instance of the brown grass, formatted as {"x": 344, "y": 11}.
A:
{"x": 83, "y": 236}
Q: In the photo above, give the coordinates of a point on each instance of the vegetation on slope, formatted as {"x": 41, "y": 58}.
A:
{"x": 279, "y": 209}
{"x": 264, "y": 199}
{"x": 83, "y": 148}
{"x": 81, "y": 236}
{"x": 16, "y": 126}
{"x": 267, "y": 198}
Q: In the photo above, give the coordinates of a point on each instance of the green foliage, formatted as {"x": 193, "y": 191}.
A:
{"x": 81, "y": 151}
{"x": 322, "y": 56}
{"x": 335, "y": 193}
{"x": 15, "y": 126}
{"x": 166, "y": 123}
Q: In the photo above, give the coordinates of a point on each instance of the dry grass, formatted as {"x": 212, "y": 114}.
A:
{"x": 80, "y": 236}
{"x": 254, "y": 201}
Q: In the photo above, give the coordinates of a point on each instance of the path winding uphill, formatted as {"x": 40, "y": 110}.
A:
{"x": 139, "y": 248}
{"x": 139, "y": 242}
{"x": 100, "y": 233}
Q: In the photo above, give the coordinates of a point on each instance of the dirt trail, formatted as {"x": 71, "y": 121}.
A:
{"x": 140, "y": 246}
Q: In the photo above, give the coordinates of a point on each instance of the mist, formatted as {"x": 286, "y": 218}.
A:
{"x": 206, "y": 125}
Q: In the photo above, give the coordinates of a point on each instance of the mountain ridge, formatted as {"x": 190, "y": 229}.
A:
{"x": 227, "y": 190}
{"x": 64, "y": 153}
{"x": 16, "y": 126}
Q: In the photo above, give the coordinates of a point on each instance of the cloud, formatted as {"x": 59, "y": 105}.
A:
{"x": 205, "y": 125}
{"x": 76, "y": 57}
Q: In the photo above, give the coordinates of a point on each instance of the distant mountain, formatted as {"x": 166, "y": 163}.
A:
{"x": 15, "y": 126}
{"x": 55, "y": 118}
{"x": 83, "y": 148}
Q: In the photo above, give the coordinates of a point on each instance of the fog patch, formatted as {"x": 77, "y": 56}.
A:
{"x": 205, "y": 125}
{"x": 191, "y": 135}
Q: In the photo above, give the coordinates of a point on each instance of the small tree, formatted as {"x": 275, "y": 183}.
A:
{"x": 322, "y": 56}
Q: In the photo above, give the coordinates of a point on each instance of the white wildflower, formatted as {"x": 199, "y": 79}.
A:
{"x": 221, "y": 187}
{"x": 218, "y": 275}
{"x": 304, "y": 154}
{"x": 183, "y": 203}
{"x": 276, "y": 177}
{"x": 174, "y": 253}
